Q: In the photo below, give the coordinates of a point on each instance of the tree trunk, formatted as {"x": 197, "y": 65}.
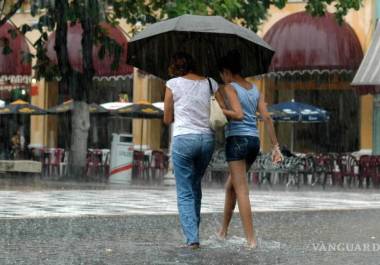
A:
{"x": 80, "y": 120}
{"x": 79, "y": 85}
{"x": 80, "y": 115}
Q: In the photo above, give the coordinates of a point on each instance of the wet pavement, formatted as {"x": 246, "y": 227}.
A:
{"x": 162, "y": 201}
{"x": 68, "y": 223}
{"x": 314, "y": 237}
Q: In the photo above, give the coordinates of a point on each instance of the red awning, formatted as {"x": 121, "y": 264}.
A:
{"x": 307, "y": 44}
{"x": 103, "y": 69}
{"x": 12, "y": 66}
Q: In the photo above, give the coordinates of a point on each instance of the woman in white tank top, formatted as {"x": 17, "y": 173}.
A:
{"x": 187, "y": 106}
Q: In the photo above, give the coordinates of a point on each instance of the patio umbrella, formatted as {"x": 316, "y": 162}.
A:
{"x": 115, "y": 105}
{"x": 159, "y": 105}
{"x": 69, "y": 105}
{"x": 66, "y": 108}
{"x": 275, "y": 114}
{"x": 296, "y": 112}
{"x": 206, "y": 38}
{"x": 22, "y": 107}
{"x": 140, "y": 110}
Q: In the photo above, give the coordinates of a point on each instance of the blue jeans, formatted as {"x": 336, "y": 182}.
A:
{"x": 191, "y": 154}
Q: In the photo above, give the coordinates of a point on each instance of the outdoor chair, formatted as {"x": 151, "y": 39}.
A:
{"x": 42, "y": 155}
{"x": 106, "y": 159}
{"x": 218, "y": 167}
{"x": 293, "y": 166}
{"x": 339, "y": 169}
{"x": 307, "y": 168}
{"x": 377, "y": 169}
{"x": 56, "y": 156}
{"x": 63, "y": 164}
{"x": 138, "y": 169}
{"x": 157, "y": 163}
{"x": 324, "y": 169}
{"x": 374, "y": 170}
{"x": 94, "y": 163}
{"x": 365, "y": 170}
{"x": 350, "y": 170}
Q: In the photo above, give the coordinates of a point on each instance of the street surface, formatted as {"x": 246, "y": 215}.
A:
{"x": 140, "y": 226}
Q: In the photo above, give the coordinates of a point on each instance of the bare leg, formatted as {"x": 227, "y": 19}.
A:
{"x": 240, "y": 185}
{"x": 229, "y": 206}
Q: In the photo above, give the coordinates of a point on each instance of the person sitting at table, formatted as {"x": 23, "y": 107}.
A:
{"x": 17, "y": 142}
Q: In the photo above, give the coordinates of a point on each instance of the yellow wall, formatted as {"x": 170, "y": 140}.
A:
{"x": 152, "y": 90}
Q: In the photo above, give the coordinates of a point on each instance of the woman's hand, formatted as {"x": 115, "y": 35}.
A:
{"x": 276, "y": 152}
{"x": 276, "y": 155}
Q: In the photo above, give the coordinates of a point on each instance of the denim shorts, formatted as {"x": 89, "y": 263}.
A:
{"x": 242, "y": 148}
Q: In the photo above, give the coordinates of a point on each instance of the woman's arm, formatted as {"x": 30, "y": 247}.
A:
{"x": 219, "y": 95}
{"x": 276, "y": 153}
{"x": 236, "y": 112}
{"x": 168, "y": 107}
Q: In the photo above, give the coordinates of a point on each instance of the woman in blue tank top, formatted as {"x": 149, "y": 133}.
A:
{"x": 241, "y": 101}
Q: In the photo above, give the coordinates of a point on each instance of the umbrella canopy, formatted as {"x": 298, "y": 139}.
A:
{"x": 141, "y": 110}
{"x": 275, "y": 114}
{"x": 22, "y": 107}
{"x": 69, "y": 105}
{"x": 159, "y": 105}
{"x": 115, "y": 105}
{"x": 206, "y": 38}
{"x": 295, "y": 112}
{"x": 298, "y": 112}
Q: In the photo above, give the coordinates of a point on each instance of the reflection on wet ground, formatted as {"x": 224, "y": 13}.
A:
{"x": 139, "y": 201}
{"x": 317, "y": 237}
{"x": 69, "y": 222}
{"x": 22, "y": 182}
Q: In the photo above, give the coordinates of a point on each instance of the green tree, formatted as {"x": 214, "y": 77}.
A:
{"x": 56, "y": 14}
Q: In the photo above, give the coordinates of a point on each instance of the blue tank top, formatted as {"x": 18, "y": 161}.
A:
{"x": 248, "y": 100}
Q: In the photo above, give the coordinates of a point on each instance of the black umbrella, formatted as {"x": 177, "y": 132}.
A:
{"x": 68, "y": 106}
{"x": 64, "y": 110}
{"x": 140, "y": 110}
{"x": 206, "y": 38}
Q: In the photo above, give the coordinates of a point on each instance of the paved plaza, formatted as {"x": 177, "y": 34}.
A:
{"x": 162, "y": 201}
{"x": 139, "y": 225}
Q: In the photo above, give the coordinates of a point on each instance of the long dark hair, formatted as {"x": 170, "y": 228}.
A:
{"x": 231, "y": 61}
{"x": 181, "y": 64}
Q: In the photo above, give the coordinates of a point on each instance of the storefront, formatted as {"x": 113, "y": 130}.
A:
{"x": 315, "y": 60}
{"x": 15, "y": 79}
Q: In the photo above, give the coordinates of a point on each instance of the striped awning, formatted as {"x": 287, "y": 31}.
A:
{"x": 367, "y": 78}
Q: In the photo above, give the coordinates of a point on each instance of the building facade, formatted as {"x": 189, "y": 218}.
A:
{"x": 357, "y": 119}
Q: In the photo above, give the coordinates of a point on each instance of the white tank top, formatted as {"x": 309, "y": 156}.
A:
{"x": 191, "y": 105}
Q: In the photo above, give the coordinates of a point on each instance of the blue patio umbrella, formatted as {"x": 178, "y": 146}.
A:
{"x": 296, "y": 112}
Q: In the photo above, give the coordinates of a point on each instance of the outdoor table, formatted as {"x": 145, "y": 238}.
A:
{"x": 94, "y": 161}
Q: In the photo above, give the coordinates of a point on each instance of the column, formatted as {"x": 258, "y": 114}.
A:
{"x": 376, "y": 125}
{"x": 376, "y": 107}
